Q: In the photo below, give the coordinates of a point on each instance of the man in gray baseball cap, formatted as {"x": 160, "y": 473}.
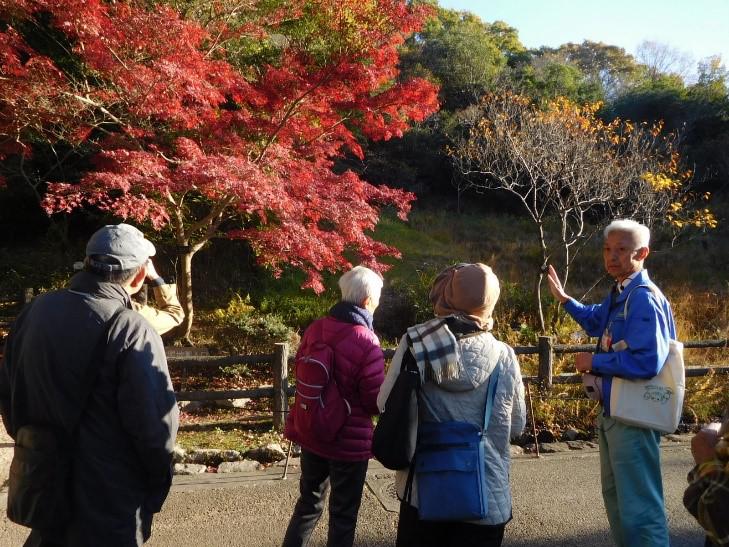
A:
{"x": 84, "y": 377}
{"x": 118, "y": 247}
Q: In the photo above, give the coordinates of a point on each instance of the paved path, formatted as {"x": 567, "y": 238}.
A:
{"x": 6, "y": 454}
{"x": 556, "y": 503}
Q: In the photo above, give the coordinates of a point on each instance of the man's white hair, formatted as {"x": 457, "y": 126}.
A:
{"x": 359, "y": 283}
{"x": 641, "y": 233}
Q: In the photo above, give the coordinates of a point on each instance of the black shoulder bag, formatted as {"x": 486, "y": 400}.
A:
{"x": 396, "y": 433}
{"x": 40, "y": 472}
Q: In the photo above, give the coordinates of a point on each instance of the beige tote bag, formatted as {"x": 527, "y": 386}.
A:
{"x": 656, "y": 403}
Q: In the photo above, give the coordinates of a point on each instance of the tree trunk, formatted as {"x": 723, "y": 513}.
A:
{"x": 540, "y": 276}
{"x": 540, "y": 311}
{"x": 565, "y": 277}
{"x": 184, "y": 289}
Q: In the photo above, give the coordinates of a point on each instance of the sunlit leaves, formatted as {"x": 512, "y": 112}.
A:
{"x": 197, "y": 131}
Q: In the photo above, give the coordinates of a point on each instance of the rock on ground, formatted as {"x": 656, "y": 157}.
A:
{"x": 189, "y": 468}
{"x": 243, "y": 466}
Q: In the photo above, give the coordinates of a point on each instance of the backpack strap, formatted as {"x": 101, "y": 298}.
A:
{"x": 408, "y": 363}
{"x": 408, "y": 358}
{"x": 490, "y": 393}
{"x": 650, "y": 287}
{"x": 656, "y": 293}
{"x": 332, "y": 343}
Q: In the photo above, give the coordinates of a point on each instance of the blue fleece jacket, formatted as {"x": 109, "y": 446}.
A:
{"x": 646, "y": 331}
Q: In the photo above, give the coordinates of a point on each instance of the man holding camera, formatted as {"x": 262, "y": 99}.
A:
{"x": 167, "y": 312}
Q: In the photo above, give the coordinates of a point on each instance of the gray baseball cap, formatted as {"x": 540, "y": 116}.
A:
{"x": 118, "y": 247}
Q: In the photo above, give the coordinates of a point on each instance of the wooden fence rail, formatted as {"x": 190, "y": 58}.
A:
{"x": 279, "y": 360}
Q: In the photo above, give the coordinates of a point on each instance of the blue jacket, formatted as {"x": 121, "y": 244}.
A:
{"x": 646, "y": 330}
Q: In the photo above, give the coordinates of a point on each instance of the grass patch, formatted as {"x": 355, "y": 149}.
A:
{"x": 234, "y": 438}
{"x": 432, "y": 240}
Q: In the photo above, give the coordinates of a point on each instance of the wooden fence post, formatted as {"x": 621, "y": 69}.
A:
{"x": 280, "y": 371}
{"x": 27, "y": 295}
{"x": 546, "y": 361}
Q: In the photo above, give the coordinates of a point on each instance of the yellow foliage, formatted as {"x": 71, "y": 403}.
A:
{"x": 705, "y": 219}
{"x": 661, "y": 182}
{"x": 657, "y": 128}
{"x": 702, "y": 218}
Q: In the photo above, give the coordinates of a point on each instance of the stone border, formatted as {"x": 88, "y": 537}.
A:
{"x": 210, "y": 460}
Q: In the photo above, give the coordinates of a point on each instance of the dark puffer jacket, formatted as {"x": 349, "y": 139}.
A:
{"x": 359, "y": 372}
{"x": 122, "y": 448}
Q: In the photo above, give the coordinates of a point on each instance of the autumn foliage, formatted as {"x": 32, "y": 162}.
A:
{"x": 193, "y": 133}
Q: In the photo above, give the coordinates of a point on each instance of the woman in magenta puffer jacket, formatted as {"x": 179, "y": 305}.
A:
{"x": 359, "y": 373}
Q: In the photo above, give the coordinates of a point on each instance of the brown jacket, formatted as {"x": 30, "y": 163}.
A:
{"x": 167, "y": 312}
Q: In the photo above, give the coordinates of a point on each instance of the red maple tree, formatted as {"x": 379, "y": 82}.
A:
{"x": 192, "y": 139}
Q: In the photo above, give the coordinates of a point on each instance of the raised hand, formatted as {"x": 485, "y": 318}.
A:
{"x": 555, "y": 285}
{"x": 151, "y": 272}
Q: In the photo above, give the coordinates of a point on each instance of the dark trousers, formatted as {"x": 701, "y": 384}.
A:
{"x": 347, "y": 481}
{"x": 413, "y": 532}
{"x": 63, "y": 538}
{"x": 36, "y": 539}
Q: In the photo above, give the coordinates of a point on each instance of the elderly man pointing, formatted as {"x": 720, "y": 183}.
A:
{"x": 633, "y": 346}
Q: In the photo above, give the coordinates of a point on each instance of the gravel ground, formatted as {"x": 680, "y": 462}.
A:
{"x": 557, "y": 501}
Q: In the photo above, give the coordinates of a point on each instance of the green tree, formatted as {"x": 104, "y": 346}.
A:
{"x": 607, "y": 66}
{"x": 467, "y": 57}
{"x": 662, "y": 97}
{"x": 700, "y": 112}
{"x": 461, "y": 53}
{"x": 544, "y": 75}
{"x": 711, "y": 84}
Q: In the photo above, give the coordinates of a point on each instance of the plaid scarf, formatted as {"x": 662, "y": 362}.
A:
{"x": 435, "y": 347}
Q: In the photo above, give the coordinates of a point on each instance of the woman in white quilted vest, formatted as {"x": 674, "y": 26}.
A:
{"x": 458, "y": 359}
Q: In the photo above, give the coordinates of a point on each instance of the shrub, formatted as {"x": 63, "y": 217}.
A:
{"x": 240, "y": 328}
{"x": 296, "y": 310}
{"x": 418, "y": 294}
{"x": 43, "y": 268}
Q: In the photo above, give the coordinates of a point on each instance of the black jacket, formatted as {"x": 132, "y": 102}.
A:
{"x": 122, "y": 449}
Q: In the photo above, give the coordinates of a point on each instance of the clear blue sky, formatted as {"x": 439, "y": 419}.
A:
{"x": 697, "y": 27}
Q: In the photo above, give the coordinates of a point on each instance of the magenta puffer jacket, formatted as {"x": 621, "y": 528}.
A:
{"x": 359, "y": 371}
